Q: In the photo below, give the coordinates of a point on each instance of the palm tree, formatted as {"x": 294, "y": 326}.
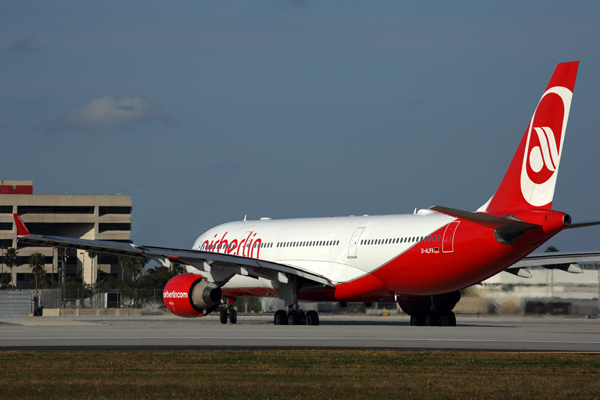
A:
{"x": 122, "y": 261}
{"x": 62, "y": 252}
{"x": 37, "y": 267}
{"x": 141, "y": 265}
{"x": 11, "y": 259}
{"x": 131, "y": 266}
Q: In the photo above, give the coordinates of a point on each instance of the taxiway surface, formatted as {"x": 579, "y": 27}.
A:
{"x": 258, "y": 332}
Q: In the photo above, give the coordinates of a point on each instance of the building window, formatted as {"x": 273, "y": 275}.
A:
{"x": 108, "y": 260}
{"x": 6, "y": 226}
{"x": 114, "y": 210}
{"x": 21, "y": 210}
{"x": 6, "y": 209}
{"x": 114, "y": 227}
{"x": 24, "y": 277}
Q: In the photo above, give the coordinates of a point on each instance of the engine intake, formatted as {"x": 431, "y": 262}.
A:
{"x": 191, "y": 295}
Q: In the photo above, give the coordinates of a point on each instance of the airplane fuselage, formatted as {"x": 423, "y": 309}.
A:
{"x": 372, "y": 258}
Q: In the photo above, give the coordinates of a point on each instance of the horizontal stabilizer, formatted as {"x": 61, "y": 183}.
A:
{"x": 582, "y": 224}
{"x": 506, "y": 230}
{"x": 483, "y": 219}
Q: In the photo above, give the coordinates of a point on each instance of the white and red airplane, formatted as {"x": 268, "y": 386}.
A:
{"x": 421, "y": 260}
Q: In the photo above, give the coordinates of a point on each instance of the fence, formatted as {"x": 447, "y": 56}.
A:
{"x": 112, "y": 298}
{"x": 15, "y": 303}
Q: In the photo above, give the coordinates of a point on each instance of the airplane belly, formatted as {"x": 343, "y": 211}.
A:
{"x": 334, "y": 271}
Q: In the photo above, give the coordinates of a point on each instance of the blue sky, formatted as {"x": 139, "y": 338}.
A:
{"x": 208, "y": 111}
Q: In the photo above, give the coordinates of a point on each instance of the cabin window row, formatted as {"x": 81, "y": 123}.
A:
{"x": 224, "y": 245}
{"x": 268, "y": 245}
{"x": 412, "y": 239}
{"x": 309, "y": 243}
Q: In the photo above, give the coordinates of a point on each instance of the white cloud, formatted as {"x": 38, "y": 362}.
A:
{"x": 23, "y": 46}
{"x": 106, "y": 113}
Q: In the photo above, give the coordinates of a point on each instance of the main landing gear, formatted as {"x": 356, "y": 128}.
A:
{"x": 288, "y": 291}
{"x": 430, "y": 310}
{"x": 229, "y": 313}
{"x": 430, "y": 318}
{"x": 296, "y": 317}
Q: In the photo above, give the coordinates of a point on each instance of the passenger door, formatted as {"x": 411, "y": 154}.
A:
{"x": 352, "y": 249}
{"x": 449, "y": 235}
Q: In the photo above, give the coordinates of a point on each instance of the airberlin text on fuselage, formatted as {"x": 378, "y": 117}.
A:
{"x": 247, "y": 246}
{"x": 174, "y": 295}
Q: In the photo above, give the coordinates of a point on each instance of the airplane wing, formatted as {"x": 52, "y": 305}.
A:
{"x": 218, "y": 267}
{"x": 563, "y": 261}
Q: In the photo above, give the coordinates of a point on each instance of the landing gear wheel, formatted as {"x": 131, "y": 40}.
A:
{"x": 447, "y": 319}
{"x": 431, "y": 319}
{"x": 294, "y": 317}
{"x": 417, "y": 319}
{"x": 312, "y": 318}
{"x": 281, "y": 318}
{"x": 451, "y": 319}
{"x": 444, "y": 319}
{"x": 232, "y": 316}
{"x": 302, "y": 317}
{"x": 223, "y": 316}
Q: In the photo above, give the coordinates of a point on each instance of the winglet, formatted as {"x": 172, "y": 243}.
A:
{"x": 21, "y": 228}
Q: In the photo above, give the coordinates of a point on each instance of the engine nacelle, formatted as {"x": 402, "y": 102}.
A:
{"x": 190, "y": 295}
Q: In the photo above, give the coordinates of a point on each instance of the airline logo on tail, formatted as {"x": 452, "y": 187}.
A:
{"x": 531, "y": 176}
{"x": 544, "y": 146}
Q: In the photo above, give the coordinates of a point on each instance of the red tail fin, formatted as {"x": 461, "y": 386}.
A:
{"x": 531, "y": 177}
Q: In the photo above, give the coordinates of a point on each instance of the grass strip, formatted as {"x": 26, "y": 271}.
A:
{"x": 306, "y": 374}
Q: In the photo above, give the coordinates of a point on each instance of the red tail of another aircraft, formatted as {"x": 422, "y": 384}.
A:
{"x": 531, "y": 177}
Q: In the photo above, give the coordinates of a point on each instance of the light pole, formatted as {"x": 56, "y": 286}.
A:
{"x": 2, "y": 274}
{"x": 52, "y": 268}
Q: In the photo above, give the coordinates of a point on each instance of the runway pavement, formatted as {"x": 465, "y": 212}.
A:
{"x": 258, "y": 332}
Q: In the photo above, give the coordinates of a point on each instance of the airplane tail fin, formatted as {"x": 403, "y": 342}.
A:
{"x": 531, "y": 177}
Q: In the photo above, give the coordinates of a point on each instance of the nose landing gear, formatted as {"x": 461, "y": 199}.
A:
{"x": 229, "y": 313}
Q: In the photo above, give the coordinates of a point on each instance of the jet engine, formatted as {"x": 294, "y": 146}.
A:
{"x": 191, "y": 295}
